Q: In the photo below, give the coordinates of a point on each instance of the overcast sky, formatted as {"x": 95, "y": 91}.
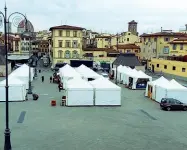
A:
{"x": 103, "y": 15}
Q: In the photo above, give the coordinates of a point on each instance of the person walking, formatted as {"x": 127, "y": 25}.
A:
{"x": 51, "y": 78}
{"x": 42, "y": 78}
{"x": 60, "y": 87}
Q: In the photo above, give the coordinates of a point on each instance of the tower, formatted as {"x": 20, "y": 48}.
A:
{"x": 133, "y": 27}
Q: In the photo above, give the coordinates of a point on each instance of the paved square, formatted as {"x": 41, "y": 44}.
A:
{"x": 138, "y": 124}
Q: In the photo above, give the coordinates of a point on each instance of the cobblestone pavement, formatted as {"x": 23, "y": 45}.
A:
{"x": 138, "y": 124}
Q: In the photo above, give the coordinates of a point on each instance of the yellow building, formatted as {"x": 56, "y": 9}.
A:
{"x": 100, "y": 54}
{"x": 103, "y": 41}
{"x": 128, "y": 48}
{"x": 157, "y": 45}
{"x": 171, "y": 67}
{"x": 178, "y": 47}
{"x": 124, "y": 38}
{"x": 66, "y": 43}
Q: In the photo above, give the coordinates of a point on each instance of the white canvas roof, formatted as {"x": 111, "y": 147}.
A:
{"x": 161, "y": 81}
{"x": 78, "y": 83}
{"x": 143, "y": 74}
{"x": 68, "y": 71}
{"x": 103, "y": 83}
{"x": 176, "y": 84}
{"x": 87, "y": 72}
{"x": 23, "y": 72}
{"x": 12, "y": 81}
{"x": 124, "y": 69}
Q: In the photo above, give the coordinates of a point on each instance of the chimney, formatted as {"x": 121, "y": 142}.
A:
{"x": 161, "y": 29}
{"x": 186, "y": 26}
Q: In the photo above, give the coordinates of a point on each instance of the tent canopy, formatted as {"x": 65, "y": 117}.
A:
{"x": 176, "y": 84}
{"x": 103, "y": 83}
{"x": 87, "y": 72}
{"x": 160, "y": 81}
{"x": 78, "y": 83}
{"x": 68, "y": 71}
{"x": 12, "y": 81}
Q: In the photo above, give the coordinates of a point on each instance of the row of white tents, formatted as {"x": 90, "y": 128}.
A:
{"x": 18, "y": 82}
{"x": 138, "y": 78}
{"x": 163, "y": 88}
{"x": 81, "y": 92}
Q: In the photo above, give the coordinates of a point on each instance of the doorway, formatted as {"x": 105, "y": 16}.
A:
{"x": 153, "y": 68}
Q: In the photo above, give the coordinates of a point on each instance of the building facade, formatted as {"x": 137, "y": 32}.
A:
{"x": 66, "y": 43}
{"x": 103, "y": 41}
{"x": 157, "y": 45}
{"x": 170, "y": 67}
{"x": 178, "y": 47}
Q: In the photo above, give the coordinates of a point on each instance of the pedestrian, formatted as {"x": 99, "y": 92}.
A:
{"x": 51, "y": 78}
{"x": 42, "y": 78}
{"x": 59, "y": 87}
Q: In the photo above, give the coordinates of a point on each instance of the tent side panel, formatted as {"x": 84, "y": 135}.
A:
{"x": 178, "y": 94}
{"x": 15, "y": 93}
{"x": 80, "y": 97}
{"x": 107, "y": 97}
{"x": 160, "y": 93}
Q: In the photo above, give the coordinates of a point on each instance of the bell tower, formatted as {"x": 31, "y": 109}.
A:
{"x": 133, "y": 27}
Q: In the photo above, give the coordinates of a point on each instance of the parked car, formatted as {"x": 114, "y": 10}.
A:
{"x": 105, "y": 75}
{"x": 172, "y": 104}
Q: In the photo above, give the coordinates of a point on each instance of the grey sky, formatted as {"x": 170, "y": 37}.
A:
{"x": 103, "y": 15}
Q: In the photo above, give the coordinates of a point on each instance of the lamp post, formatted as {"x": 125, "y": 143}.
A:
{"x": 7, "y": 142}
{"x": 116, "y": 64}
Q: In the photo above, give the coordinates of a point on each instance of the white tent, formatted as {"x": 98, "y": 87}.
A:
{"x": 17, "y": 90}
{"x": 122, "y": 70}
{"x": 151, "y": 87}
{"x": 106, "y": 93}
{"x": 22, "y": 73}
{"x": 118, "y": 69}
{"x": 171, "y": 90}
{"x": 130, "y": 73}
{"x": 68, "y": 73}
{"x": 87, "y": 73}
{"x": 79, "y": 93}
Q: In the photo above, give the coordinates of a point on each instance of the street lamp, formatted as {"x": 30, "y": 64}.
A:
{"x": 116, "y": 64}
{"x": 28, "y": 34}
{"x": 7, "y": 143}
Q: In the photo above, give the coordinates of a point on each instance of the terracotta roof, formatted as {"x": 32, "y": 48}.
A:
{"x": 96, "y": 49}
{"x": 164, "y": 34}
{"x": 67, "y": 27}
{"x": 182, "y": 40}
{"x": 103, "y": 37}
{"x": 128, "y": 46}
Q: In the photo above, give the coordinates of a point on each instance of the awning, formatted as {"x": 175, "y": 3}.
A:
{"x": 18, "y": 57}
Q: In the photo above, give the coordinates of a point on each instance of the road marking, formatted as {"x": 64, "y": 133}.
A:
{"x": 44, "y": 94}
{"x": 147, "y": 114}
{"x": 21, "y": 117}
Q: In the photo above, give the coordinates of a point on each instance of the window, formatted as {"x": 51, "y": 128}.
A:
{"x": 144, "y": 39}
{"x": 157, "y": 65}
{"x": 155, "y": 39}
{"x": 68, "y": 33}
{"x": 128, "y": 51}
{"x": 127, "y": 39}
{"x": 165, "y": 66}
{"x": 67, "y": 54}
{"x": 154, "y": 50}
{"x": 181, "y": 46}
{"x": 74, "y": 33}
{"x": 149, "y": 39}
{"x": 60, "y": 33}
{"x": 174, "y": 68}
{"x": 59, "y": 43}
{"x": 60, "y": 54}
{"x": 129, "y": 33}
{"x": 174, "y": 46}
{"x": 166, "y": 39}
{"x": 183, "y": 69}
{"x": 75, "y": 54}
{"x": 136, "y": 51}
{"x": 75, "y": 44}
{"x": 106, "y": 39}
{"x": 68, "y": 44}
